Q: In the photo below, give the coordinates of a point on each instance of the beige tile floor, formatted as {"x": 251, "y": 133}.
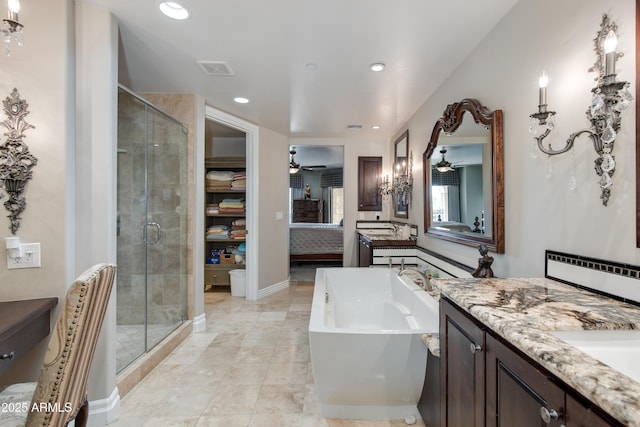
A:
{"x": 249, "y": 368}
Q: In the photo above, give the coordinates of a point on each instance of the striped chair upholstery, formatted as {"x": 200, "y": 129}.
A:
{"x": 60, "y": 395}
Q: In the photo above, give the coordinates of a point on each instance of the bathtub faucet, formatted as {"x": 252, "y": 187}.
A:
{"x": 424, "y": 281}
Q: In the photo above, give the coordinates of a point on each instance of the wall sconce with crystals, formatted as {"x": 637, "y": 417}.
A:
{"x": 11, "y": 29}
{"x": 400, "y": 186}
{"x": 610, "y": 99}
{"x": 15, "y": 160}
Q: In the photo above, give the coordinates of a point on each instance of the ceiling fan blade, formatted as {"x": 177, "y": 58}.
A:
{"x": 311, "y": 167}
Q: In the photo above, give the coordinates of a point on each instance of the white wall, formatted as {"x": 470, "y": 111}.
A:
{"x": 273, "y": 258}
{"x": 502, "y": 73}
{"x": 94, "y": 183}
{"x": 73, "y": 219}
{"x": 40, "y": 71}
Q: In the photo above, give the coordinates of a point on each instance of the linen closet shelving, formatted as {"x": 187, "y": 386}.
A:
{"x": 218, "y": 274}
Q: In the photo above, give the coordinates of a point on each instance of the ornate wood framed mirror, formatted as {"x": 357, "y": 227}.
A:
{"x": 464, "y": 180}
{"x": 401, "y": 169}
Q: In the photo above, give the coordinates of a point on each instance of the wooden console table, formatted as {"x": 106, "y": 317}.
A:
{"x": 23, "y": 324}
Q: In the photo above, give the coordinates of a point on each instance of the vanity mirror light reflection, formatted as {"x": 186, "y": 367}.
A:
{"x": 400, "y": 171}
{"x": 463, "y": 177}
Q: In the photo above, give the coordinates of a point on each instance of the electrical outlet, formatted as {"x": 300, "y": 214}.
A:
{"x": 30, "y": 257}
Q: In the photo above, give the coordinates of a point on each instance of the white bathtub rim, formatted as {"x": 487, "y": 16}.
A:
{"x": 316, "y": 321}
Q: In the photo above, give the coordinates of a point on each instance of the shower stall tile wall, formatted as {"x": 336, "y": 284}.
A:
{"x": 152, "y": 226}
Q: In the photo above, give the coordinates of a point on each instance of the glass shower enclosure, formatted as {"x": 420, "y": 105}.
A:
{"x": 152, "y": 227}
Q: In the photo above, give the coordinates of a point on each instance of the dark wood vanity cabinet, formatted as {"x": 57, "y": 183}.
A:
{"x": 462, "y": 373}
{"x": 582, "y": 415}
{"x": 365, "y": 251}
{"x": 487, "y": 382}
{"x": 369, "y": 171}
{"x": 517, "y": 393}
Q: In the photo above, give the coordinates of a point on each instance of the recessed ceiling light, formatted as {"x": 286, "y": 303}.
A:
{"x": 375, "y": 127}
{"x": 311, "y": 66}
{"x": 378, "y": 66}
{"x": 174, "y": 10}
{"x": 241, "y": 100}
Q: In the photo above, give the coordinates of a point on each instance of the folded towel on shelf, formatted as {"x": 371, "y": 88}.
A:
{"x": 238, "y": 235}
{"x": 212, "y": 210}
{"x": 232, "y": 211}
{"x": 218, "y": 229}
{"x": 229, "y": 200}
{"x": 217, "y": 232}
{"x": 232, "y": 204}
{"x": 218, "y": 185}
{"x": 240, "y": 221}
{"x": 217, "y": 237}
{"x": 220, "y": 175}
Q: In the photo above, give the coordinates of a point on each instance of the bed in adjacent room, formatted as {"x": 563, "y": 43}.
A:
{"x": 315, "y": 242}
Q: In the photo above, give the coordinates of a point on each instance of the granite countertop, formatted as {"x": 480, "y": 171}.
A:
{"x": 380, "y": 236}
{"x": 522, "y": 311}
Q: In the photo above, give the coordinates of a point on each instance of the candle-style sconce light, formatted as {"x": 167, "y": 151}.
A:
{"x": 16, "y": 161}
{"x": 400, "y": 186}
{"x": 610, "y": 99}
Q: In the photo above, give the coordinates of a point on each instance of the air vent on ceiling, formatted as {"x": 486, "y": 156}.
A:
{"x": 215, "y": 68}
{"x": 354, "y": 126}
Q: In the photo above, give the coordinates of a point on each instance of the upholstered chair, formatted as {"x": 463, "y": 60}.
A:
{"x": 60, "y": 395}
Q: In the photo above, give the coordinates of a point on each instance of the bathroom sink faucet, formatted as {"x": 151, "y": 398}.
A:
{"x": 424, "y": 279}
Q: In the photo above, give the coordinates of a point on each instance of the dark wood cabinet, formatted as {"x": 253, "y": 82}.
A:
{"x": 583, "y": 415}
{"x": 518, "y": 394}
{"x": 487, "y": 382}
{"x": 462, "y": 368}
{"x": 365, "y": 252}
{"x": 307, "y": 210}
{"x": 369, "y": 171}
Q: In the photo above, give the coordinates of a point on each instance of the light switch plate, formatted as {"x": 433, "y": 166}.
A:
{"x": 30, "y": 257}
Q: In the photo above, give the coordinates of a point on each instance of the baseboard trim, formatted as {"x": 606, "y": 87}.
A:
{"x": 273, "y": 289}
{"x": 104, "y": 411}
{"x": 200, "y": 323}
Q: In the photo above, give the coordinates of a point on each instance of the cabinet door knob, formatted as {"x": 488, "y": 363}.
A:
{"x": 548, "y": 415}
{"x": 7, "y": 356}
{"x": 474, "y": 348}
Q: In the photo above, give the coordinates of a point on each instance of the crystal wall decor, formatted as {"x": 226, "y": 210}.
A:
{"x": 16, "y": 162}
{"x": 610, "y": 99}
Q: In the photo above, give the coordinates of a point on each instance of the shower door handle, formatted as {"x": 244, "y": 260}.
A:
{"x": 157, "y": 234}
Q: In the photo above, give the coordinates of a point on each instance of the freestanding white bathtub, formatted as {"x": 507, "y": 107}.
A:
{"x": 367, "y": 355}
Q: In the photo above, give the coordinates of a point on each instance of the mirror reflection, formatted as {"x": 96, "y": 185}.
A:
{"x": 318, "y": 177}
{"x": 400, "y": 171}
{"x": 459, "y": 198}
{"x": 316, "y": 203}
{"x": 463, "y": 177}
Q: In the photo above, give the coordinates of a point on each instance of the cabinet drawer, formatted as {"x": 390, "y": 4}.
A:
{"x": 216, "y": 277}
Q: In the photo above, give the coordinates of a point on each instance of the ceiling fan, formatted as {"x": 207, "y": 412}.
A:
{"x": 295, "y": 167}
{"x": 443, "y": 165}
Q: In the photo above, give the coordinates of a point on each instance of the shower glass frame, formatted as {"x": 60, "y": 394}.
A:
{"x": 152, "y": 227}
